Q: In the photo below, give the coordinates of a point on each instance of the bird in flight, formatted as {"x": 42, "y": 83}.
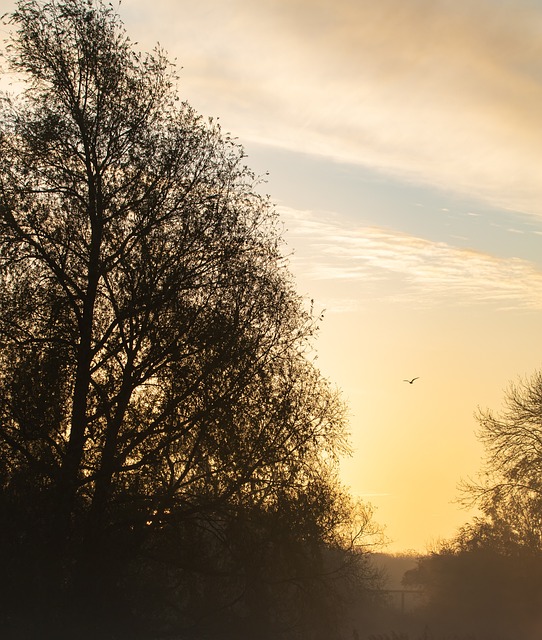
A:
{"x": 411, "y": 381}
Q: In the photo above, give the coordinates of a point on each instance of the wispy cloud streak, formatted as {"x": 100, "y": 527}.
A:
{"x": 388, "y": 264}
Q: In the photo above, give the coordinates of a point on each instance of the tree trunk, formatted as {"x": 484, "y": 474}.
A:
{"x": 69, "y": 477}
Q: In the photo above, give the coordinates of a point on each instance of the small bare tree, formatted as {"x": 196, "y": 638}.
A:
{"x": 509, "y": 491}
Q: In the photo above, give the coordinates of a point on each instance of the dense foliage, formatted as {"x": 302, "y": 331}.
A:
{"x": 167, "y": 447}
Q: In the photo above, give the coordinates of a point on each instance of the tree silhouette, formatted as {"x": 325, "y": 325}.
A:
{"x": 509, "y": 491}
{"x": 154, "y": 372}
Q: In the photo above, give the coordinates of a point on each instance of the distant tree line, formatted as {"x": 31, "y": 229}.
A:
{"x": 168, "y": 450}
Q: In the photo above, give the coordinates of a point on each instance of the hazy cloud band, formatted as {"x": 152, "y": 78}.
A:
{"x": 369, "y": 262}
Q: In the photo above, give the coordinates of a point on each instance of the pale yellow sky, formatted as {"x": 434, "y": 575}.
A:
{"x": 399, "y": 307}
{"x": 404, "y": 144}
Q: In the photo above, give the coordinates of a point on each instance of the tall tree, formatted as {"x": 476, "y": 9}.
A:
{"x": 153, "y": 352}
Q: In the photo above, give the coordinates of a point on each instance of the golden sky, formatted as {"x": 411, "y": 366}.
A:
{"x": 442, "y": 92}
{"x": 403, "y": 142}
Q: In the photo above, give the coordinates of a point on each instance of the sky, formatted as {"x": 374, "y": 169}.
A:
{"x": 403, "y": 147}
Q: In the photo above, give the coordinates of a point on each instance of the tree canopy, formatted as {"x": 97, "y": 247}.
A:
{"x": 157, "y": 390}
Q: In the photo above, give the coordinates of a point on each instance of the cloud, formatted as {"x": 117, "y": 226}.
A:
{"x": 441, "y": 92}
{"x": 365, "y": 262}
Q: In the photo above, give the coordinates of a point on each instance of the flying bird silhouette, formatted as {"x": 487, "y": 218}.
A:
{"x": 411, "y": 381}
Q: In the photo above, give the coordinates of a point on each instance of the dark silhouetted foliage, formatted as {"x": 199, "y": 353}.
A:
{"x": 167, "y": 448}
